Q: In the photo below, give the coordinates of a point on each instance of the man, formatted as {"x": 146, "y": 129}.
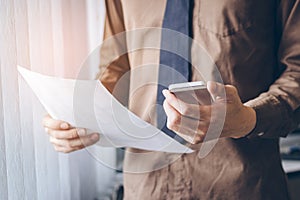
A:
{"x": 256, "y": 47}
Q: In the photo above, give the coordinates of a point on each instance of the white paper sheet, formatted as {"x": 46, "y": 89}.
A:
{"x": 88, "y": 104}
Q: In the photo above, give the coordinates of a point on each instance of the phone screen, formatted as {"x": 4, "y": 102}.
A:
{"x": 192, "y": 92}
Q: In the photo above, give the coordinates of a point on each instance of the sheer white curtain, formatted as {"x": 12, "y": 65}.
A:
{"x": 52, "y": 37}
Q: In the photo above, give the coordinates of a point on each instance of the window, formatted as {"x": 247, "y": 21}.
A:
{"x": 52, "y": 37}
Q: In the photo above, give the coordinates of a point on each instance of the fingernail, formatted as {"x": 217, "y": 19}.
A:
{"x": 95, "y": 136}
{"x": 46, "y": 130}
{"x": 81, "y": 132}
{"x": 164, "y": 92}
{"x": 64, "y": 126}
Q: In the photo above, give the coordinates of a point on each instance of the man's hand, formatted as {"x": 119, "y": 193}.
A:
{"x": 66, "y": 138}
{"x": 192, "y": 121}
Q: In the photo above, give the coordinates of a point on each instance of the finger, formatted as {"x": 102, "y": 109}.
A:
{"x": 187, "y": 128}
{"x": 222, "y": 92}
{"x": 189, "y": 110}
{"x": 66, "y": 134}
{"x": 216, "y": 90}
{"x": 51, "y": 123}
{"x": 78, "y": 142}
{"x": 192, "y": 136}
{"x": 193, "y": 129}
{"x": 195, "y": 112}
{"x": 175, "y": 121}
{"x": 231, "y": 94}
{"x": 173, "y": 116}
{"x": 65, "y": 149}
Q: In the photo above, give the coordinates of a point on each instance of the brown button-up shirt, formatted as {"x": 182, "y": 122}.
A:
{"x": 256, "y": 47}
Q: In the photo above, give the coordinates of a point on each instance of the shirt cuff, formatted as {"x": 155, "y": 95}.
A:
{"x": 272, "y": 117}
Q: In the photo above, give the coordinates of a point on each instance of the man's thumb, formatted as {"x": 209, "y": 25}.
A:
{"x": 216, "y": 90}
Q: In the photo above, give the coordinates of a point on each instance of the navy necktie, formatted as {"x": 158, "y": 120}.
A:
{"x": 174, "y": 68}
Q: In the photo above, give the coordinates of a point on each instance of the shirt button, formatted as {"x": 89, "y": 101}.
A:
{"x": 261, "y": 134}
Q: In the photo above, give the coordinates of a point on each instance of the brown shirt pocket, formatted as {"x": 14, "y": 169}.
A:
{"x": 225, "y": 17}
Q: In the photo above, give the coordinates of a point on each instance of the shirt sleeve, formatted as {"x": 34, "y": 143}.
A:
{"x": 114, "y": 64}
{"x": 278, "y": 109}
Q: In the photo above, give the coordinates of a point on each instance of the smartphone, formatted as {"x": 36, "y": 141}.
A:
{"x": 192, "y": 92}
